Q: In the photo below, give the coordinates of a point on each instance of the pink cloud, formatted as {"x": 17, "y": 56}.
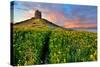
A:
{"x": 79, "y": 25}
{"x": 55, "y": 17}
{"x": 29, "y": 13}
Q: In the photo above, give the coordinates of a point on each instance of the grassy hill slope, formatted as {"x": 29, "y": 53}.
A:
{"x": 38, "y": 41}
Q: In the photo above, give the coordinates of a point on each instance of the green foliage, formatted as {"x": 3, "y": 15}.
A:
{"x": 64, "y": 46}
{"x": 39, "y": 21}
{"x": 28, "y": 45}
{"x": 72, "y": 46}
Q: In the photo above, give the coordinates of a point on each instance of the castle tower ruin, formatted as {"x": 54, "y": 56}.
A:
{"x": 38, "y": 14}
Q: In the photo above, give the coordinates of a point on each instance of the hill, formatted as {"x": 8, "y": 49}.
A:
{"x": 38, "y": 22}
{"x": 39, "y": 41}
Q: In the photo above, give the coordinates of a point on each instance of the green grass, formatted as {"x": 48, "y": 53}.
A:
{"x": 39, "y": 21}
{"x": 64, "y": 46}
{"x": 28, "y": 45}
{"x": 72, "y": 46}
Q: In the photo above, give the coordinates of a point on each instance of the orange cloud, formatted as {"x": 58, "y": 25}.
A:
{"x": 78, "y": 25}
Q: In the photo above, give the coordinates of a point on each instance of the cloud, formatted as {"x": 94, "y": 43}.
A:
{"x": 72, "y": 16}
{"x": 30, "y": 13}
{"x": 55, "y": 16}
{"x": 81, "y": 25}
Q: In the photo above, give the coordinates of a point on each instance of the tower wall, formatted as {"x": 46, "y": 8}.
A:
{"x": 38, "y": 14}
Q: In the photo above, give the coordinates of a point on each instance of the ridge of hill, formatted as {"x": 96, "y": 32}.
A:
{"x": 38, "y": 22}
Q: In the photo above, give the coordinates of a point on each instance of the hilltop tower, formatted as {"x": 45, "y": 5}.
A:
{"x": 38, "y": 14}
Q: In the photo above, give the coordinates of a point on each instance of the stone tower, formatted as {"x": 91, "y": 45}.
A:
{"x": 38, "y": 14}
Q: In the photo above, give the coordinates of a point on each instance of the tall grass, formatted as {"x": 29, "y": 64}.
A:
{"x": 72, "y": 46}
{"x": 28, "y": 45}
{"x": 64, "y": 46}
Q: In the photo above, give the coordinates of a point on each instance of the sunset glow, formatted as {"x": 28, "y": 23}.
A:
{"x": 66, "y": 15}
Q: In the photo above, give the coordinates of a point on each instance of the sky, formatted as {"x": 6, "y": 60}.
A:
{"x": 66, "y": 15}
